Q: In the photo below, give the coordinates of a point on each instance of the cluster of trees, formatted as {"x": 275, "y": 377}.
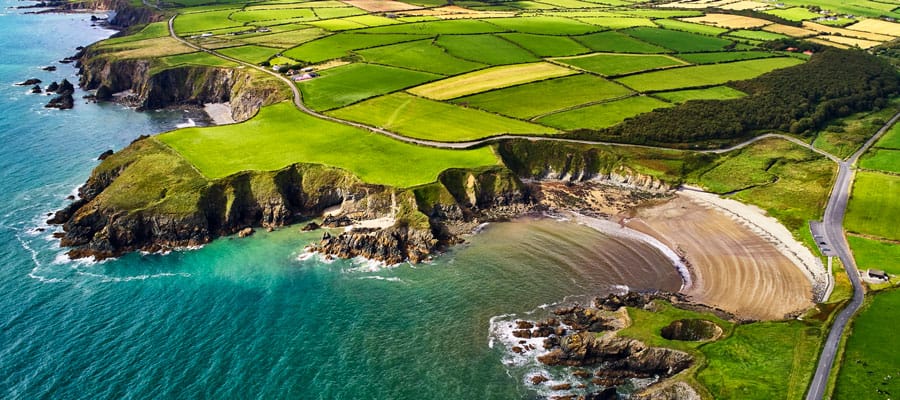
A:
{"x": 801, "y": 99}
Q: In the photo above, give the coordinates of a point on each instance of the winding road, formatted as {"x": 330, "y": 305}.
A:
{"x": 832, "y": 221}
{"x": 834, "y": 234}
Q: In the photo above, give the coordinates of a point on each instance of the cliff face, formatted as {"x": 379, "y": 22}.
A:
{"x": 126, "y": 14}
{"x": 151, "y": 89}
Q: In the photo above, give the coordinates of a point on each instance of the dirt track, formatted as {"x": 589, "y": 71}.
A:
{"x": 734, "y": 269}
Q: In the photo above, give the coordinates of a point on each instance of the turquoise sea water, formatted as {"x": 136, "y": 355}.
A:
{"x": 241, "y": 319}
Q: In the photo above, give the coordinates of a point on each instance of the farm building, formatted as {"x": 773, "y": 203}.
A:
{"x": 877, "y": 274}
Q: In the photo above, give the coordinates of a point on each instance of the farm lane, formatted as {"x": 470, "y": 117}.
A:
{"x": 834, "y": 234}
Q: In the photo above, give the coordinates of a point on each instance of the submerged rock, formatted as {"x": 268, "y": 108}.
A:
{"x": 36, "y": 89}
{"x": 248, "y": 231}
{"x": 29, "y": 82}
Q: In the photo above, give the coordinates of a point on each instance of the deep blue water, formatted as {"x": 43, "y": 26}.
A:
{"x": 245, "y": 318}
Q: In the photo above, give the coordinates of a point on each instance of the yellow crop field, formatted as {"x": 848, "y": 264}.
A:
{"x": 729, "y": 21}
{"x": 745, "y": 5}
{"x": 830, "y": 30}
{"x": 488, "y": 79}
{"x": 852, "y": 42}
{"x": 789, "y": 30}
{"x": 827, "y": 43}
{"x": 876, "y": 26}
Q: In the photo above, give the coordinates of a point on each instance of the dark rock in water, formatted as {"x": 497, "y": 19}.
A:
{"x": 49, "y": 68}
{"x": 28, "y": 82}
{"x": 691, "y": 330}
{"x": 246, "y": 232}
{"x": 522, "y": 333}
{"x": 606, "y": 394}
{"x": 53, "y": 87}
{"x": 104, "y": 155}
{"x": 66, "y": 213}
{"x": 62, "y": 102}
{"x": 80, "y": 48}
{"x": 561, "y": 386}
{"x": 36, "y": 89}
{"x": 58, "y": 235}
{"x": 70, "y": 197}
{"x": 139, "y": 138}
{"x": 104, "y": 93}
{"x": 40, "y": 229}
{"x": 310, "y": 227}
{"x": 539, "y": 379}
{"x": 521, "y": 324}
{"x": 391, "y": 245}
{"x": 336, "y": 222}
{"x": 66, "y": 87}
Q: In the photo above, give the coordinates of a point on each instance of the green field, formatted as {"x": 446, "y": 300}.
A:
{"x": 151, "y": 31}
{"x": 891, "y": 139}
{"x": 619, "y": 64}
{"x": 339, "y": 45}
{"x": 487, "y": 49}
{"x": 705, "y": 75}
{"x": 420, "y": 55}
{"x": 490, "y": 79}
{"x": 337, "y": 25}
{"x": 764, "y": 360}
{"x": 205, "y": 21}
{"x": 546, "y": 46}
{"x": 844, "y": 136}
{"x": 534, "y": 99}
{"x": 299, "y": 14}
{"x": 286, "y": 39}
{"x": 250, "y": 53}
{"x": 602, "y": 115}
{"x": 756, "y": 35}
{"x": 328, "y": 13}
{"x": 681, "y": 42}
{"x": 723, "y": 56}
{"x": 676, "y": 25}
{"x": 616, "y": 42}
{"x": 882, "y": 160}
{"x": 867, "y": 8}
{"x": 617, "y": 22}
{"x": 711, "y": 93}
{"x": 871, "y": 366}
{"x": 196, "y": 58}
{"x": 427, "y": 119}
{"x": 793, "y": 13}
{"x": 431, "y": 28}
{"x": 874, "y": 207}
{"x": 289, "y": 136}
{"x": 544, "y": 25}
{"x": 340, "y": 86}
{"x": 875, "y": 254}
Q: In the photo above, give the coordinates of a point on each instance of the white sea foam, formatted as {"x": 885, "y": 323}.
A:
{"x": 189, "y": 124}
{"x": 383, "y": 278}
{"x": 116, "y": 279}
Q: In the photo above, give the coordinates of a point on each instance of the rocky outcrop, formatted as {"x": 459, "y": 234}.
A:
{"x": 28, "y": 82}
{"x": 64, "y": 99}
{"x": 391, "y": 245}
{"x": 692, "y": 330}
{"x": 673, "y": 391}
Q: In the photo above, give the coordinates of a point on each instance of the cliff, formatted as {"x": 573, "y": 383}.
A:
{"x": 153, "y": 87}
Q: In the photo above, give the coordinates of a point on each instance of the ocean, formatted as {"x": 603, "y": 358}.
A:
{"x": 252, "y": 318}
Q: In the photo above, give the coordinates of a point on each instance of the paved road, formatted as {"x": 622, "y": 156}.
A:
{"x": 834, "y": 233}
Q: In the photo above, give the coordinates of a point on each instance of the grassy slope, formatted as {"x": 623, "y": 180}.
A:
{"x": 489, "y": 79}
{"x": 286, "y": 136}
{"x": 844, "y": 136}
{"x": 618, "y": 64}
{"x": 420, "y": 55}
{"x": 487, "y": 49}
{"x": 427, "y": 119}
{"x": 703, "y": 75}
{"x": 875, "y": 254}
{"x": 604, "y": 114}
{"x": 350, "y": 83}
{"x": 712, "y": 93}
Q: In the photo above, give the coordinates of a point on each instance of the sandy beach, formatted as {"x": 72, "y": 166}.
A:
{"x": 219, "y": 113}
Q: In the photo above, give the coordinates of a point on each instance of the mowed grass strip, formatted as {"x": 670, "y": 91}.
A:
{"x": 433, "y": 120}
{"x": 602, "y": 115}
{"x": 490, "y": 78}
{"x": 534, "y": 99}
{"x": 618, "y": 64}
{"x": 545, "y": 45}
{"x": 874, "y": 207}
{"x": 875, "y": 254}
{"x": 870, "y": 364}
{"x": 616, "y": 42}
{"x": 420, "y": 55}
{"x": 340, "y": 86}
{"x": 288, "y": 136}
{"x": 711, "y": 93}
{"x": 487, "y": 49}
{"x": 677, "y": 40}
{"x": 705, "y": 75}
{"x": 339, "y": 45}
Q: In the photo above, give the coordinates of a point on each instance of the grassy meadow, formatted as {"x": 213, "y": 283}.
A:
{"x": 874, "y": 207}
{"x": 870, "y": 367}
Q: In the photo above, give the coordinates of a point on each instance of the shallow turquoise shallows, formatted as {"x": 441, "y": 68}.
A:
{"x": 247, "y": 319}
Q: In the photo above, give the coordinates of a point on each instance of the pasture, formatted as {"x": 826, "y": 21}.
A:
{"x": 442, "y": 27}
{"x": 250, "y": 53}
{"x": 340, "y": 86}
{"x": 891, "y": 139}
{"x": 618, "y": 22}
{"x": 882, "y": 159}
{"x": 705, "y": 75}
{"x": 756, "y": 35}
{"x": 544, "y": 25}
{"x": 681, "y": 42}
{"x": 204, "y": 21}
{"x": 723, "y": 56}
{"x": 616, "y": 42}
{"x": 286, "y": 39}
{"x": 874, "y": 207}
{"x": 545, "y": 45}
{"x": 875, "y": 254}
{"x": 793, "y": 13}
{"x": 486, "y": 49}
{"x": 535, "y": 99}
{"x": 618, "y": 64}
{"x": 339, "y": 45}
{"x": 290, "y": 136}
{"x": 602, "y": 115}
{"x": 711, "y": 93}
{"x": 676, "y": 25}
{"x": 432, "y": 120}
{"x": 870, "y": 368}
{"x": 729, "y": 21}
{"x": 420, "y": 55}
{"x": 490, "y": 78}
